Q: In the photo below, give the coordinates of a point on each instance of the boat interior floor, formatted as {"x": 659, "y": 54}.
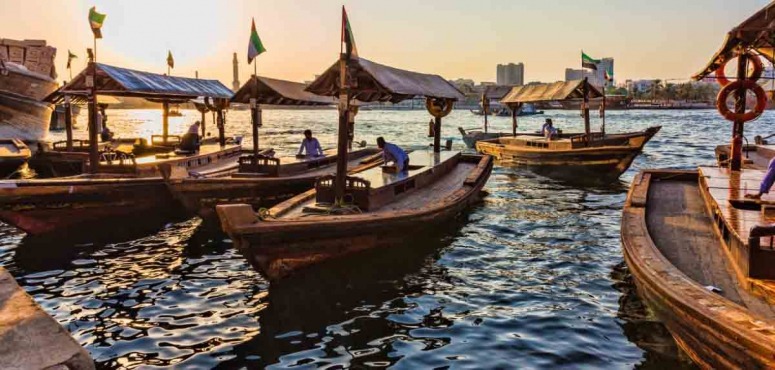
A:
{"x": 682, "y": 230}
{"x": 420, "y": 198}
{"x": 760, "y": 158}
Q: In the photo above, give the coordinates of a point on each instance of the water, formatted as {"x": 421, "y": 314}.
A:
{"x": 531, "y": 278}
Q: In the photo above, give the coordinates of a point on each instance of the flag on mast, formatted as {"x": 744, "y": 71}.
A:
{"x": 255, "y": 46}
{"x": 347, "y": 37}
{"x": 609, "y": 74}
{"x": 96, "y": 20}
{"x": 70, "y": 57}
{"x": 170, "y": 60}
{"x": 588, "y": 62}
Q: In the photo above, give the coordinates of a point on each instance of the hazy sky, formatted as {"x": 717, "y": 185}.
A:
{"x": 454, "y": 38}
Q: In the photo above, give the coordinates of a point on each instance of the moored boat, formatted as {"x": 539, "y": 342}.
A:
{"x": 373, "y": 208}
{"x": 23, "y": 118}
{"x": 589, "y": 156}
{"x": 13, "y": 154}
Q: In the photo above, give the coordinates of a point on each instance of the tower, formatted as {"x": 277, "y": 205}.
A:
{"x": 235, "y": 84}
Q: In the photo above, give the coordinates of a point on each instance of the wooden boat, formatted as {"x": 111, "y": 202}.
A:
{"x": 589, "y": 156}
{"x": 570, "y": 155}
{"x": 13, "y": 154}
{"x": 23, "y": 118}
{"x": 16, "y": 79}
{"x": 702, "y": 258}
{"x": 372, "y": 208}
{"x": 755, "y": 156}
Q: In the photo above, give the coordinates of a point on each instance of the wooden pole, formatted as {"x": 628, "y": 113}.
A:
{"x": 204, "y": 132}
{"x": 165, "y": 120}
{"x": 221, "y": 128}
{"x": 68, "y": 123}
{"x": 486, "y": 113}
{"x": 94, "y": 151}
{"x": 602, "y": 110}
{"x": 514, "y": 119}
{"x": 437, "y": 135}
{"x": 736, "y": 160}
{"x": 341, "y": 147}
{"x": 585, "y": 90}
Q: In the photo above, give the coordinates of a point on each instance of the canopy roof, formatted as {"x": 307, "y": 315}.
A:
{"x": 550, "y": 92}
{"x": 278, "y": 92}
{"x": 117, "y": 81}
{"x": 754, "y": 33}
{"x": 497, "y": 91}
{"x": 375, "y": 82}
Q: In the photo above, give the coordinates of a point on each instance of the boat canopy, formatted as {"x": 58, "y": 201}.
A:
{"x": 556, "y": 91}
{"x": 375, "y": 82}
{"x": 278, "y": 92}
{"x": 754, "y": 33}
{"x": 117, "y": 81}
{"x": 497, "y": 91}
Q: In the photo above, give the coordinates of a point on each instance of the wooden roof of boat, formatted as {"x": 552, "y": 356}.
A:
{"x": 556, "y": 91}
{"x": 278, "y": 92}
{"x": 376, "y": 82}
{"x": 497, "y": 91}
{"x": 754, "y": 33}
{"x": 117, "y": 81}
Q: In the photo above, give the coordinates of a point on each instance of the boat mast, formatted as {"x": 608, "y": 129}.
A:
{"x": 341, "y": 147}
{"x": 94, "y": 154}
{"x": 255, "y": 110}
{"x": 736, "y": 160}
{"x": 585, "y": 91}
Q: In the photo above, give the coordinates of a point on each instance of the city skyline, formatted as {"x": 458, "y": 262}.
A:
{"x": 302, "y": 37}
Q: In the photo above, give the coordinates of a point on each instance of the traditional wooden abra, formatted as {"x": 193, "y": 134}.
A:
{"x": 701, "y": 253}
{"x": 120, "y": 183}
{"x": 262, "y": 180}
{"x": 594, "y": 156}
{"x": 372, "y": 208}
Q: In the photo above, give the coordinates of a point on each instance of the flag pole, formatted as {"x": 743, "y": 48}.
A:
{"x": 255, "y": 109}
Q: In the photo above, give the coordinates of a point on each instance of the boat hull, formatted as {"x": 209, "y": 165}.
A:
{"x": 16, "y": 79}
{"x": 65, "y": 206}
{"x": 23, "y": 118}
{"x": 279, "y": 249}
{"x": 715, "y": 332}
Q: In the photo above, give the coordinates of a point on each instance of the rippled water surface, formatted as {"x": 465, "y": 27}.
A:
{"x": 530, "y": 278}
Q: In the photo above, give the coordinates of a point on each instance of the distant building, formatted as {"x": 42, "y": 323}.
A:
{"x": 596, "y": 78}
{"x": 510, "y": 74}
{"x": 235, "y": 85}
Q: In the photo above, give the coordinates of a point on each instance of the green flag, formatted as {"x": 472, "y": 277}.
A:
{"x": 588, "y": 62}
{"x": 255, "y": 46}
{"x": 609, "y": 74}
{"x": 96, "y": 20}
{"x": 347, "y": 36}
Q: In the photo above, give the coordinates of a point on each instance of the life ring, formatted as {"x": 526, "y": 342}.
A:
{"x": 758, "y": 69}
{"x": 761, "y": 101}
{"x": 439, "y": 108}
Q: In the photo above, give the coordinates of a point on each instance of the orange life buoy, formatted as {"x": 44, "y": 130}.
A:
{"x": 758, "y": 69}
{"x": 761, "y": 101}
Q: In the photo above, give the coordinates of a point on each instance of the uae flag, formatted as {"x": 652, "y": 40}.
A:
{"x": 255, "y": 46}
{"x": 609, "y": 74}
{"x": 96, "y": 20}
{"x": 170, "y": 60}
{"x": 70, "y": 57}
{"x": 588, "y": 62}
{"x": 347, "y": 37}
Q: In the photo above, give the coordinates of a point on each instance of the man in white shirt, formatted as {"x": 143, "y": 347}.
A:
{"x": 311, "y": 145}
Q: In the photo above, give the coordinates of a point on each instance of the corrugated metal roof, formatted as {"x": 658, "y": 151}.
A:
{"x": 377, "y": 82}
{"x": 278, "y": 92}
{"x": 117, "y": 81}
{"x": 549, "y": 92}
{"x": 754, "y": 33}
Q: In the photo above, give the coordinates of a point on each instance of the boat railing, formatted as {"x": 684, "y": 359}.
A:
{"x": 761, "y": 258}
{"x": 259, "y": 163}
{"x": 356, "y": 191}
{"x": 172, "y": 140}
{"x": 78, "y": 145}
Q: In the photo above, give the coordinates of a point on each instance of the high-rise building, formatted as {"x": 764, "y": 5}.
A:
{"x": 510, "y": 74}
{"x": 235, "y": 85}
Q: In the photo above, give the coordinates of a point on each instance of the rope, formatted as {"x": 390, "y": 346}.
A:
{"x": 264, "y": 214}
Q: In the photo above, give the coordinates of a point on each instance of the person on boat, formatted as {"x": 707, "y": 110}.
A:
{"x": 767, "y": 181}
{"x": 106, "y": 134}
{"x": 311, "y": 145}
{"x": 548, "y": 129}
{"x": 394, "y": 153}
{"x": 194, "y": 129}
{"x": 190, "y": 140}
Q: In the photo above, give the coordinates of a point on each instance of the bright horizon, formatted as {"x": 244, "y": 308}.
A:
{"x": 455, "y": 39}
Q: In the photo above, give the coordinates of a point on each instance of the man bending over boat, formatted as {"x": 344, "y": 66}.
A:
{"x": 767, "y": 181}
{"x": 311, "y": 145}
{"x": 392, "y": 152}
{"x": 548, "y": 129}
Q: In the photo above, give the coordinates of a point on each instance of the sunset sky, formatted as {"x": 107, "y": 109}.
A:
{"x": 663, "y": 39}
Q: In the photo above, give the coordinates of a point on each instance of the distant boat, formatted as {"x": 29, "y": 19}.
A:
{"x": 175, "y": 112}
{"x": 527, "y": 110}
{"x": 58, "y": 116}
{"x": 22, "y": 113}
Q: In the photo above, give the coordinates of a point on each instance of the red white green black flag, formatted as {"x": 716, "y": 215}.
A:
{"x": 255, "y": 46}
{"x": 347, "y": 37}
{"x": 95, "y": 21}
{"x": 588, "y": 62}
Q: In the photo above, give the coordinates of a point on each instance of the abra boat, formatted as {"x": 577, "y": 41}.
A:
{"x": 13, "y": 154}
{"x": 702, "y": 252}
{"x": 590, "y": 156}
{"x": 372, "y": 208}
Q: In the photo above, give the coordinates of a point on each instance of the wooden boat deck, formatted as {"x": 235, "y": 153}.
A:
{"x": 683, "y": 232}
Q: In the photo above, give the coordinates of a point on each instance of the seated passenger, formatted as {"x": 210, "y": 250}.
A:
{"x": 194, "y": 129}
{"x": 767, "y": 181}
{"x": 393, "y": 153}
{"x": 106, "y": 134}
{"x": 190, "y": 140}
{"x": 548, "y": 129}
{"x": 311, "y": 145}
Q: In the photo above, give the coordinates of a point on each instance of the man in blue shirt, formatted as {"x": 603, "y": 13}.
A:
{"x": 311, "y": 145}
{"x": 392, "y": 152}
{"x": 767, "y": 181}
